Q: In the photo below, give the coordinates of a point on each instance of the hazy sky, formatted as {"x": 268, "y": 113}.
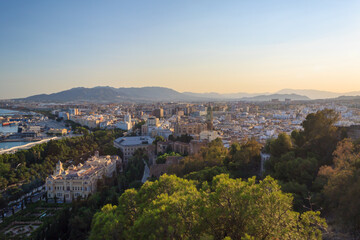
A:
{"x": 200, "y": 46}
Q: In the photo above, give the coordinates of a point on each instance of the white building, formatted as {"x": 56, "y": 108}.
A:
{"x": 126, "y": 124}
{"x": 209, "y": 135}
{"x": 81, "y": 180}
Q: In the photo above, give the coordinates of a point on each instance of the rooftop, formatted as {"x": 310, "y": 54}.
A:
{"x": 136, "y": 140}
{"x": 90, "y": 167}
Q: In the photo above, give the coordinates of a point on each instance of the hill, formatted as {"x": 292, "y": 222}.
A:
{"x": 144, "y": 94}
{"x": 317, "y": 94}
{"x": 110, "y": 94}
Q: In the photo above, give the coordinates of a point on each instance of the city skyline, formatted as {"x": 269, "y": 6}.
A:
{"x": 202, "y": 46}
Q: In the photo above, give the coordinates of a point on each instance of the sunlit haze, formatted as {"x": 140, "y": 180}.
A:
{"x": 197, "y": 46}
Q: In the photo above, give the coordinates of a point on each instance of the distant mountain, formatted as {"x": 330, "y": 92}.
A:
{"x": 141, "y": 94}
{"x": 317, "y": 94}
{"x": 214, "y": 95}
{"x": 110, "y": 94}
{"x": 78, "y": 94}
{"x": 348, "y": 98}
{"x": 281, "y": 97}
{"x": 154, "y": 93}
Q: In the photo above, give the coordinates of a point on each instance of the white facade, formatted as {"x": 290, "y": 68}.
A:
{"x": 208, "y": 135}
{"x": 126, "y": 124}
{"x": 81, "y": 180}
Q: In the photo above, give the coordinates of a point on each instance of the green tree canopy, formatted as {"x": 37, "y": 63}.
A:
{"x": 173, "y": 208}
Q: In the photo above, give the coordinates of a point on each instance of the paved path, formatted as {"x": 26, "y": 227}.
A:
{"x": 146, "y": 173}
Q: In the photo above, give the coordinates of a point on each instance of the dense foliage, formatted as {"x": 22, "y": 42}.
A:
{"x": 321, "y": 169}
{"x": 341, "y": 191}
{"x": 134, "y": 170}
{"x": 240, "y": 160}
{"x": 211, "y": 156}
{"x": 162, "y": 158}
{"x": 243, "y": 160}
{"x": 174, "y": 208}
{"x": 295, "y": 160}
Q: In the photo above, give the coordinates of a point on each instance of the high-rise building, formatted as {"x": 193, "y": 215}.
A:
{"x": 74, "y": 111}
{"x": 159, "y": 113}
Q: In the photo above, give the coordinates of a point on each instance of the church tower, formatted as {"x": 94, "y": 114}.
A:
{"x": 59, "y": 168}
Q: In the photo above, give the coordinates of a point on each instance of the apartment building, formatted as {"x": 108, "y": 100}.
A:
{"x": 128, "y": 145}
{"x": 189, "y": 128}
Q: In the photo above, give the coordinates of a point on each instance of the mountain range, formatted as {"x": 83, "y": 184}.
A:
{"x": 141, "y": 94}
{"x": 110, "y": 94}
{"x": 310, "y": 93}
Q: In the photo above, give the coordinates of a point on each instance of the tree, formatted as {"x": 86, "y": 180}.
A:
{"x": 158, "y": 139}
{"x": 162, "y": 158}
{"x": 174, "y": 208}
{"x": 280, "y": 145}
{"x": 296, "y": 160}
{"x": 342, "y": 187}
{"x": 243, "y": 160}
{"x": 320, "y": 135}
{"x": 231, "y": 212}
{"x": 210, "y": 156}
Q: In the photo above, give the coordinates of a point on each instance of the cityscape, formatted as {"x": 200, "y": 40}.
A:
{"x": 159, "y": 134}
{"x": 188, "y": 120}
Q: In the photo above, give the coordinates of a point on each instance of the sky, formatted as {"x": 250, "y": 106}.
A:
{"x": 198, "y": 46}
